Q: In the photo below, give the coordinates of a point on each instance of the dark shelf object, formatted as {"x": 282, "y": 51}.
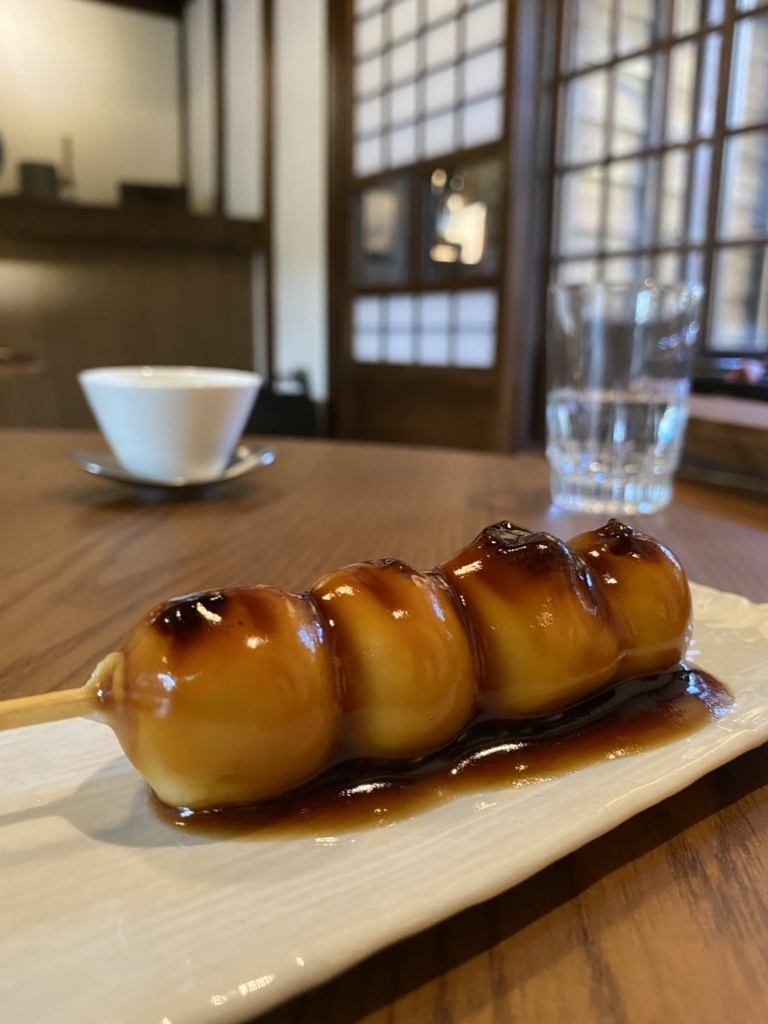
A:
{"x": 168, "y": 8}
{"x": 32, "y": 221}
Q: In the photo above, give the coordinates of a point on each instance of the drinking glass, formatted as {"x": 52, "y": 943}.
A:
{"x": 619, "y": 362}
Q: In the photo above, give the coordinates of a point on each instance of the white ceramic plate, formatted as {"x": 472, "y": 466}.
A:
{"x": 108, "y": 916}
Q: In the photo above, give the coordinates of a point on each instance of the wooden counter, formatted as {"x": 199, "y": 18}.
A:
{"x": 664, "y": 918}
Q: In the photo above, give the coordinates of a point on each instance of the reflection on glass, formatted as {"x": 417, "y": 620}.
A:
{"x": 462, "y": 209}
{"x": 740, "y": 321}
{"x": 381, "y": 234}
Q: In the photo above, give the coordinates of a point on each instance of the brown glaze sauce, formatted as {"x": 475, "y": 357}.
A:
{"x": 637, "y": 715}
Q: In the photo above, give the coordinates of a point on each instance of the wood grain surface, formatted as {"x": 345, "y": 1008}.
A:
{"x": 663, "y": 919}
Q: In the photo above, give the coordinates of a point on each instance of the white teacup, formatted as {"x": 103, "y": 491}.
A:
{"x": 171, "y": 423}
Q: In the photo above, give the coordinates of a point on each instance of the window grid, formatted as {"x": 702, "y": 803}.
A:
{"x": 654, "y": 194}
{"x": 443, "y": 328}
{"x": 429, "y": 89}
{"x": 393, "y": 52}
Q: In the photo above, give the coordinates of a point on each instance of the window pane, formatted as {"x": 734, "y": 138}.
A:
{"x": 628, "y": 192}
{"x": 403, "y": 19}
{"x": 485, "y": 25}
{"x": 369, "y": 34}
{"x": 715, "y": 11}
{"x": 672, "y": 197}
{"x": 579, "y": 211}
{"x": 475, "y": 349}
{"x": 667, "y": 268}
{"x": 403, "y": 61}
{"x": 740, "y": 321}
{"x": 381, "y": 234}
{"x": 577, "y": 272}
{"x": 694, "y": 266}
{"x": 484, "y": 73}
{"x": 366, "y": 347}
{"x": 440, "y": 44}
{"x": 700, "y": 182}
{"x": 687, "y": 16}
{"x": 368, "y": 116}
{"x": 367, "y": 157}
{"x": 440, "y": 134}
{"x": 398, "y": 347}
{"x": 586, "y": 108}
{"x": 709, "y": 85}
{"x": 476, "y": 309}
{"x": 590, "y": 32}
{"x": 632, "y": 109}
{"x": 748, "y": 100}
{"x": 367, "y": 314}
{"x": 435, "y": 311}
{"x": 402, "y": 102}
{"x": 439, "y": 90}
{"x": 434, "y": 349}
{"x": 482, "y": 121}
{"x": 636, "y": 25}
{"x": 440, "y": 9}
{"x": 402, "y": 145}
{"x": 682, "y": 86}
{"x": 633, "y": 268}
{"x": 368, "y": 75}
{"x": 399, "y": 312}
{"x": 745, "y": 196}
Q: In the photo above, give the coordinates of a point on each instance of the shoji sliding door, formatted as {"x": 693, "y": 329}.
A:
{"x": 426, "y": 345}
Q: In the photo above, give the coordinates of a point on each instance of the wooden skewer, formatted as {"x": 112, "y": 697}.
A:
{"x": 82, "y": 702}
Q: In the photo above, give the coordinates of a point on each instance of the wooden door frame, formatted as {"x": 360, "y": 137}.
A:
{"x": 522, "y": 284}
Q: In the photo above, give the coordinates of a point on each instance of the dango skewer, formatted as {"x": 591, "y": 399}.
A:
{"x": 231, "y": 697}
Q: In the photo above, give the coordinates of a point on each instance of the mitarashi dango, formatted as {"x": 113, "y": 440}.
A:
{"x": 231, "y": 697}
{"x": 648, "y": 594}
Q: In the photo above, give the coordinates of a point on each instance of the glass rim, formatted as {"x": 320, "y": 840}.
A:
{"x": 649, "y": 285}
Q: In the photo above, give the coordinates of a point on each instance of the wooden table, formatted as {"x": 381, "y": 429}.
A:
{"x": 663, "y": 919}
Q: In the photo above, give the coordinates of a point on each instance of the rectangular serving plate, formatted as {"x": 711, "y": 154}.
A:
{"x": 110, "y": 916}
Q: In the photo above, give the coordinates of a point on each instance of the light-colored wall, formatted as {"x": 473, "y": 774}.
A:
{"x": 109, "y": 77}
{"x": 105, "y": 76}
{"x": 300, "y": 148}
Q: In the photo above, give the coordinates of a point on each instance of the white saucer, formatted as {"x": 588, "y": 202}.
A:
{"x": 245, "y": 458}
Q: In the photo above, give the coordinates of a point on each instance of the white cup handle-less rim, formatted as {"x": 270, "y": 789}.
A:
{"x": 171, "y": 423}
